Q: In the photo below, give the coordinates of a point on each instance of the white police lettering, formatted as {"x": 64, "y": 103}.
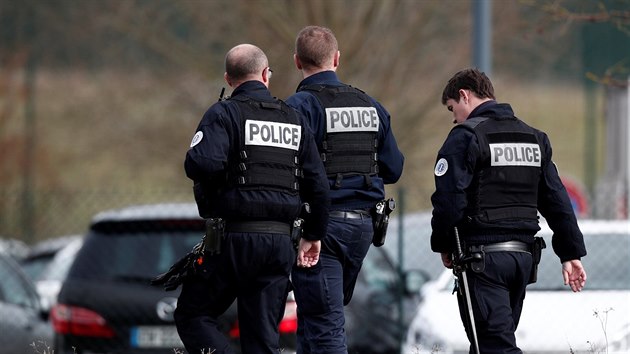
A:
{"x": 282, "y": 135}
{"x": 351, "y": 119}
{"x": 515, "y": 154}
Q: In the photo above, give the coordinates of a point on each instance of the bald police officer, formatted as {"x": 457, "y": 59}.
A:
{"x": 492, "y": 176}
{"x": 354, "y": 137}
{"x": 253, "y": 163}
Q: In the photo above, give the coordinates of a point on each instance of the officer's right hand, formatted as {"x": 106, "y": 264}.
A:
{"x": 574, "y": 274}
{"x": 447, "y": 260}
{"x": 308, "y": 253}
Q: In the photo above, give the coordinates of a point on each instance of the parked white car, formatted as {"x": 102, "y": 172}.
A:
{"x": 47, "y": 264}
{"x": 49, "y": 282}
{"x": 554, "y": 319}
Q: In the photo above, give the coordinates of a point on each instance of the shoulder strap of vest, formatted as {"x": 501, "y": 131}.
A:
{"x": 270, "y": 105}
{"x": 316, "y": 88}
{"x": 278, "y": 104}
{"x": 472, "y": 123}
{"x": 335, "y": 89}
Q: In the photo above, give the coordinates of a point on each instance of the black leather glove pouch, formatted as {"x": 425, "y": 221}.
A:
{"x": 175, "y": 276}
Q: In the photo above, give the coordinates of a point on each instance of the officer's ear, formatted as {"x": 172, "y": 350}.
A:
{"x": 227, "y": 79}
{"x": 464, "y": 95}
{"x": 297, "y": 62}
{"x": 336, "y": 59}
{"x": 266, "y": 75}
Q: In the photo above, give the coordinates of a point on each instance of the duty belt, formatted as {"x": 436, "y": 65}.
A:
{"x": 264, "y": 227}
{"x": 508, "y": 246}
{"x": 355, "y": 214}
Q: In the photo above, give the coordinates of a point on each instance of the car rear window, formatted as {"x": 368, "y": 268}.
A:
{"x": 135, "y": 250}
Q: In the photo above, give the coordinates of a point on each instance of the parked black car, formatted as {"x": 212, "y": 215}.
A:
{"x": 107, "y": 304}
{"x": 23, "y": 324}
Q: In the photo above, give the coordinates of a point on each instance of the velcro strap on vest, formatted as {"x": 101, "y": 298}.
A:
{"x": 272, "y": 177}
{"x": 271, "y": 155}
{"x": 349, "y": 165}
{"x": 350, "y": 154}
{"x": 511, "y": 213}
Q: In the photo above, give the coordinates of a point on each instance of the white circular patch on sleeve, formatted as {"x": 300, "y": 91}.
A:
{"x": 441, "y": 167}
{"x": 197, "y": 138}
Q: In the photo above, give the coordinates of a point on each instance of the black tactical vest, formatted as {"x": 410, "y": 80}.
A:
{"x": 506, "y": 179}
{"x": 349, "y": 145}
{"x": 268, "y": 155}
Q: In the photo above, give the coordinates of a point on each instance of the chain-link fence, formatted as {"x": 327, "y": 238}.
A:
{"x": 51, "y": 215}
{"x": 45, "y": 214}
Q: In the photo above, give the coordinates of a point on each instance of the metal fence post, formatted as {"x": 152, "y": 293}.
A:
{"x": 401, "y": 288}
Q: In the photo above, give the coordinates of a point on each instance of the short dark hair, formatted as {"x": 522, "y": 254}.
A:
{"x": 468, "y": 79}
{"x": 315, "y": 45}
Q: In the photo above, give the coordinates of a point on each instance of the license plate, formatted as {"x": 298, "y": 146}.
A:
{"x": 155, "y": 337}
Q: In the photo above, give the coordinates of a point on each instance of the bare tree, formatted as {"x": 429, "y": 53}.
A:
{"x": 572, "y": 14}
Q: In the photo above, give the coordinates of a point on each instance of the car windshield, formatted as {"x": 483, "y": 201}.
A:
{"x": 131, "y": 255}
{"x": 605, "y": 264}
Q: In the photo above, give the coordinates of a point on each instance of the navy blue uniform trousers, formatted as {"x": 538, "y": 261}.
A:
{"x": 252, "y": 268}
{"x": 497, "y": 296}
{"x": 322, "y": 291}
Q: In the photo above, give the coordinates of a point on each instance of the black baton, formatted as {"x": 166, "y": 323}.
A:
{"x": 459, "y": 270}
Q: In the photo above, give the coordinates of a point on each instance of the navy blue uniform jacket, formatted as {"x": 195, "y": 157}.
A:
{"x": 461, "y": 150}
{"x": 220, "y": 137}
{"x": 353, "y": 193}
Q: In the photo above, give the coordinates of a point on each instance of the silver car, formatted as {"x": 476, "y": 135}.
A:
{"x": 23, "y": 324}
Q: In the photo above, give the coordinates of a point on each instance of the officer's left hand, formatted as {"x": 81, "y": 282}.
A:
{"x": 574, "y": 274}
{"x": 308, "y": 253}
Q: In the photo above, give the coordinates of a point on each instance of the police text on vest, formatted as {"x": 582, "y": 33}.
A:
{"x": 351, "y": 119}
{"x": 281, "y": 135}
{"x": 515, "y": 154}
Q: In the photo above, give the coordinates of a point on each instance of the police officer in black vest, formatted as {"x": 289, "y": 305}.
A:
{"x": 492, "y": 176}
{"x": 254, "y": 164}
{"x": 355, "y": 140}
